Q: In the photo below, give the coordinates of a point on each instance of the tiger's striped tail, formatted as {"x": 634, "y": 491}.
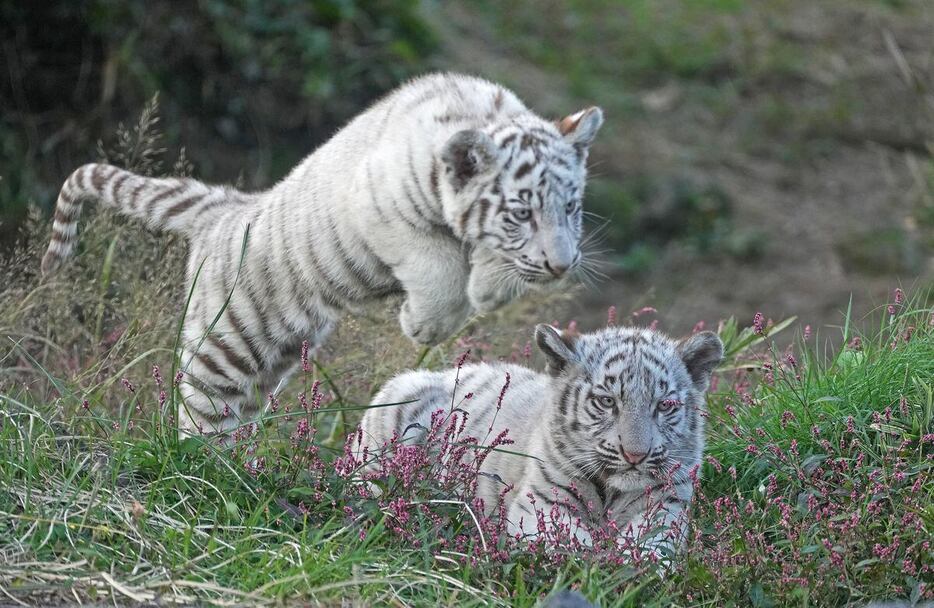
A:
{"x": 174, "y": 204}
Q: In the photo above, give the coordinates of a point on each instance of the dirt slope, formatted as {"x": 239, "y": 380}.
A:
{"x": 824, "y": 163}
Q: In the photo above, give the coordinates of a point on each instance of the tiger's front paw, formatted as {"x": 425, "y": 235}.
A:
{"x": 431, "y": 330}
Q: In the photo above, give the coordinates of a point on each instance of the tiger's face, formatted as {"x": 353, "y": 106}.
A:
{"x": 629, "y": 402}
{"x": 517, "y": 191}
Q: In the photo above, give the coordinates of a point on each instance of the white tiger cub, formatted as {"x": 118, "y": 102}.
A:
{"x": 618, "y": 411}
{"x": 448, "y": 190}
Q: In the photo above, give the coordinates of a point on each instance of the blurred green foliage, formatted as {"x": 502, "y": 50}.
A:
{"x": 640, "y": 41}
{"x": 241, "y": 82}
{"x": 302, "y": 61}
{"x": 645, "y": 213}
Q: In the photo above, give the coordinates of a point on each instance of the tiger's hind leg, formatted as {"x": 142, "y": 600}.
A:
{"x": 238, "y": 346}
{"x": 218, "y": 410}
{"x": 203, "y": 414}
{"x": 220, "y": 384}
{"x": 217, "y": 400}
{"x": 212, "y": 408}
{"x": 212, "y": 412}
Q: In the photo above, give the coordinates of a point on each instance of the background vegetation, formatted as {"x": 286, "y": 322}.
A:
{"x": 771, "y": 156}
{"x": 751, "y": 145}
{"x": 247, "y": 87}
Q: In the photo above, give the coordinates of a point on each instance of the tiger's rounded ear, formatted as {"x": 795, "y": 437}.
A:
{"x": 701, "y": 353}
{"x": 557, "y": 348}
{"x": 467, "y": 154}
{"x": 581, "y": 128}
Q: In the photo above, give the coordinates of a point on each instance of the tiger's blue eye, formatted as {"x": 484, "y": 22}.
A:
{"x": 523, "y": 214}
{"x": 605, "y": 401}
{"x": 571, "y": 206}
{"x": 668, "y": 404}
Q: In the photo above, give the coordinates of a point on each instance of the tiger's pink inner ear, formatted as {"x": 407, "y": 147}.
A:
{"x": 569, "y": 123}
{"x": 581, "y": 127}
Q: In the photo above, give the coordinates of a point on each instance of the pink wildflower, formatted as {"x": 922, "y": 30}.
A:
{"x": 757, "y": 323}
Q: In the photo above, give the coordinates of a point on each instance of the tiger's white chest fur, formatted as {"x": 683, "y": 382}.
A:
{"x": 449, "y": 191}
{"x": 619, "y": 415}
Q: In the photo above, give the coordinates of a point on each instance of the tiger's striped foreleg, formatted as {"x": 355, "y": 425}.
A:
{"x": 537, "y": 504}
{"x": 493, "y": 281}
{"x": 434, "y": 277}
{"x": 660, "y": 525}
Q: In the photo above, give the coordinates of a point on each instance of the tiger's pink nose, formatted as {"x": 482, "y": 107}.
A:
{"x": 634, "y": 457}
{"x": 556, "y": 269}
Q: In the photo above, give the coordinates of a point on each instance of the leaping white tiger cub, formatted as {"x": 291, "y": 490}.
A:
{"x": 618, "y": 413}
{"x": 448, "y": 189}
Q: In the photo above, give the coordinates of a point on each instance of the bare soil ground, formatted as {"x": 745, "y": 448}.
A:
{"x": 825, "y": 163}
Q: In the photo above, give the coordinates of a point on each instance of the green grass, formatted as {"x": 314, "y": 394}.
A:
{"x": 105, "y": 502}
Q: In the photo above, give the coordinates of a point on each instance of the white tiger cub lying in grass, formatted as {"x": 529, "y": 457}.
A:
{"x": 449, "y": 190}
{"x": 618, "y": 411}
